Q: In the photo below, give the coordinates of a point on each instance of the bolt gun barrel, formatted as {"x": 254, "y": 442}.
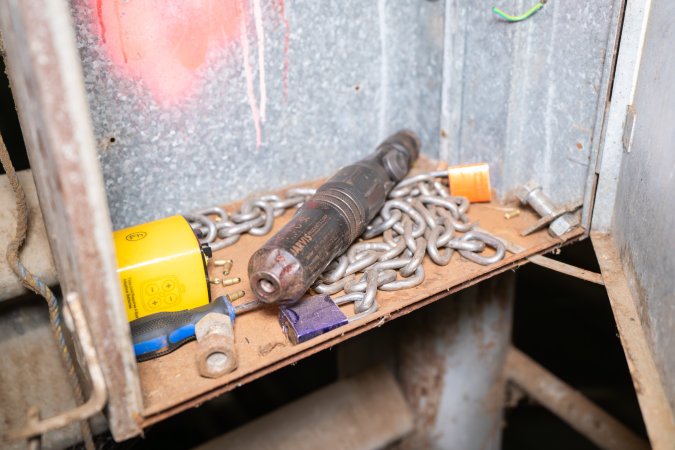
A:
{"x": 283, "y": 269}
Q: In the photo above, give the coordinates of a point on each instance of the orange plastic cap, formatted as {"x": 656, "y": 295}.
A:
{"x": 471, "y": 181}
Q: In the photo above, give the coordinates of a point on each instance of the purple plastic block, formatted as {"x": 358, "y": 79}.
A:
{"x": 310, "y": 317}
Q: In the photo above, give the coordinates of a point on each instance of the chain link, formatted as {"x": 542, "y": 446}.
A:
{"x": 419, "y": 218}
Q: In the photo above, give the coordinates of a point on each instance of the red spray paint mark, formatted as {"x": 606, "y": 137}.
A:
{"x": 164, "y": 42}
{"x": 99, "y": 15}
{"x": 287, "y": 40}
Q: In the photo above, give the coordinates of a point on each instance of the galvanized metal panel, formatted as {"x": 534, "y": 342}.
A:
{"x": 352, "y": 73}
{"x": 633, "y": 29}
{"x": 525, "y": 96}
{"x": 644, "y": 213}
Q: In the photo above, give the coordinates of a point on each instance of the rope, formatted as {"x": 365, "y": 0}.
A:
{"x": 36, "y": 285}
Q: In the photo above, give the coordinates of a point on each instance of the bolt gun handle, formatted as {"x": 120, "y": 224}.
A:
{"x": 161, "y": 333}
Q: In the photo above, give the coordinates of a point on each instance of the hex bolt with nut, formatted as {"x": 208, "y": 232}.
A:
{"x": 531, "y": 193}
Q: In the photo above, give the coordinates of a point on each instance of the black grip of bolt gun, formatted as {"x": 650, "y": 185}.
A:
{"x": 324, "y": 227}
{"x": 161, "y": 333}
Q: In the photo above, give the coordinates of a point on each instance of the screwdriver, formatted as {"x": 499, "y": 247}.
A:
{"x": 161, "y": 333}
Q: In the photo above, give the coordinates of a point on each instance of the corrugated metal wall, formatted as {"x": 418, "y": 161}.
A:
{"x": 185, "y": 115}
{"x": 178, "y": 107}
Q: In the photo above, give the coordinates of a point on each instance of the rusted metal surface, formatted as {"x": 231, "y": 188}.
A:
{"x": 35, "y": 253}
{"x": 567, "y": 269}
{"x": 451, "y": 358}
{"x": 97, "y": 397}
{"x": 580, "y": 413}
{"x": 656, "y": 411}
{"x": 284, "y": 268}
{"x": 46, "y": 79}
{"x": 364, "y": 412}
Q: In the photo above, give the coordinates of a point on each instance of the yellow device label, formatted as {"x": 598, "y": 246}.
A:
{"x": 161, "y": 267}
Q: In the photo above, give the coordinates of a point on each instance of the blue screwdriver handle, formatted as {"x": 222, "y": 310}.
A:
{"x": 161, "y": 333}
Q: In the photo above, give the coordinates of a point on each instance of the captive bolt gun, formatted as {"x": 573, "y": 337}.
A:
{"x": 326, "y": 224}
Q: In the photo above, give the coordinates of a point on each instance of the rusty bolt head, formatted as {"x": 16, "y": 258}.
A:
{"x": 525, "y": 190}
{"x": 562, "y": 225}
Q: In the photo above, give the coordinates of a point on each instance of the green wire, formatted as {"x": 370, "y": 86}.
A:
{"x": 523, "y": 16}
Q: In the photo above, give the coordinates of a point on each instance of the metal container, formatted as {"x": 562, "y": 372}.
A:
{"x": 317, "y": 82}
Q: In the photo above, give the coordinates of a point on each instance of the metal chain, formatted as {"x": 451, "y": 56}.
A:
{"x": 419, "y": 218}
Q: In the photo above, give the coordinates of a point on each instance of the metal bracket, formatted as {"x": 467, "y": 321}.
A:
{"x": 99, "y": 394}
{"x": 567, "y": 269}
{"x": 552, "y": 264}
{"x": 629, "y": 128}
{"x": 564, "y": 401}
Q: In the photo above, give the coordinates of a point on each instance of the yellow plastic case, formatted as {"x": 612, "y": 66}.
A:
{"x": 161, "y": 267}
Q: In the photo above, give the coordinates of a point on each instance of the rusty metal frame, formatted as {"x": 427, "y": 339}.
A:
{"x": 98, "y": 395}
{"x": 656, "y": 412}
{"x": 567, "y": 269}
{"x": 45, "y": 74}
{"x": 571, "y": 406}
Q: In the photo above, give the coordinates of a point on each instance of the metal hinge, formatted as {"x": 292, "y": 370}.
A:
{"x": 629, "y": 128}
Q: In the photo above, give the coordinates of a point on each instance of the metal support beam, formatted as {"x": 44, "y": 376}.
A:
{"x": 567, "y": 269}
{"x": 656, "y": 412}
{"x": 450, "y": 363}
{"x": 580, "y": 413}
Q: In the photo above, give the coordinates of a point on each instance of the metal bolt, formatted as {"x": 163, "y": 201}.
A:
{"x": 511, "y": 214}
{"x": 231, "y": 281}
{"x": 532, "y": 193}
{"x": 227, "y": 267}
{"x": 221, "y": 262}
{"x": 236, "y": 295}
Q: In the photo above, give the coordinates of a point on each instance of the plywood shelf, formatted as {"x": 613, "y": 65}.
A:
{"x": 171, "y": 383}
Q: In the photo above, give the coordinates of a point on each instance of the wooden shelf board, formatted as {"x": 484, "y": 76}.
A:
{"x": 171, "y": 384}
